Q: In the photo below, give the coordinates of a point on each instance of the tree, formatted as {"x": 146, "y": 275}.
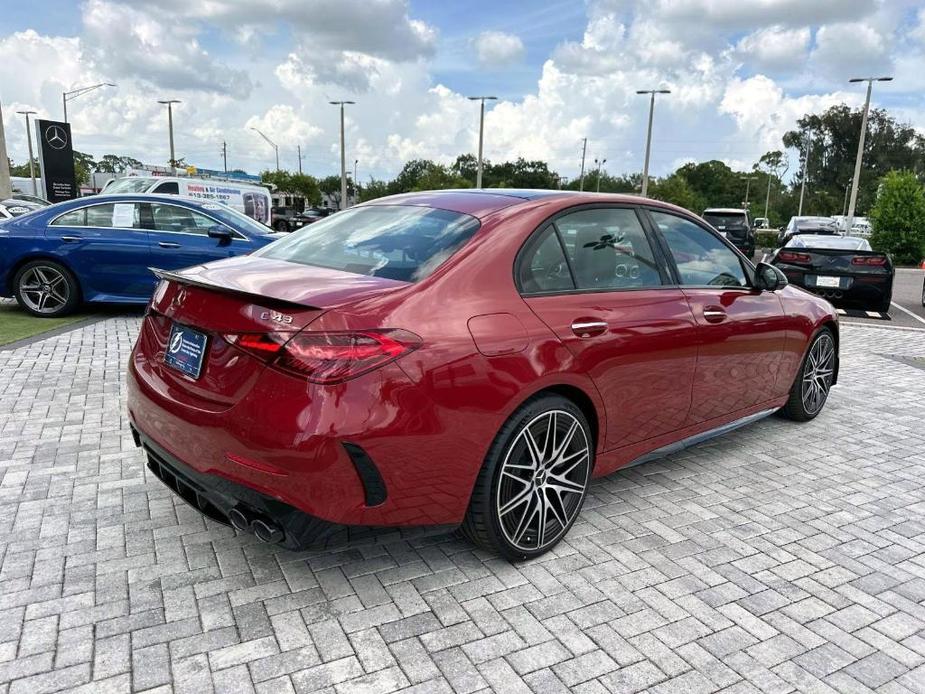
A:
{"x": 374, "y": 189}
{"x": 889, "y": 145}
{"x": 330, "y": 186}
{"x": 83, "y": 166}
{"x": 898, "y": 218}
{"x": 22, "y": 170}
{"x": 676, "y": 190}
{"x": 301, "y": 184}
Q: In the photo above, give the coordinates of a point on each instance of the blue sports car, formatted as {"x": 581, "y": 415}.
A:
{"x": 99, "y": 249}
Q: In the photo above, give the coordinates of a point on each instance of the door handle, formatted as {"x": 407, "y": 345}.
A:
{"x": 70, "y": 239}
{"x": 714, "y": 314}
{"x": 585, "y": 328}
{"x": 167, "y": 244}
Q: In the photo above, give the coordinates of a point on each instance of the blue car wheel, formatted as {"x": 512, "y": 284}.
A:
{"x": 46, "y": 288}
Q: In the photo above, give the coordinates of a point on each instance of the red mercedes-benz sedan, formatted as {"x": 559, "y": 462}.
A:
{"x": 462, "y": 359}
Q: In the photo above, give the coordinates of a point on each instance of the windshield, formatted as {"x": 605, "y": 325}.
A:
{"x": 15, "y": 208}
{"x": 847, "y": 243}
{"x": 232, "y": 216}
{"x": 394, "y": 241}
{"x": 130, "y": 184}
{"x": 725, "y": 219}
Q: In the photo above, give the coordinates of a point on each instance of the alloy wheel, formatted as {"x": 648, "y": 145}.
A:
{"x": 817, "y": 373}
{"x": 44, "y": 289}
{"x": 543, "y": 480}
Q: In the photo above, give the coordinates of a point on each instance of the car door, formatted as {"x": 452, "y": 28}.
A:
{"x": 180, "y": 236}
{"x": 593, "y": 277}
{"x": 741, "y": 330}
{"x": 107, "y": 249}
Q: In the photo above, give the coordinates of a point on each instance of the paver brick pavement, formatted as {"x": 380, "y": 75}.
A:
{"x": 778, "y": 558}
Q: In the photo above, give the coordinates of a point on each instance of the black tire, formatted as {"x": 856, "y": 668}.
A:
{"x": 797, "y": 407}
{"x": 61, "y": 291}
{"x": 282, "y": 226}
{"x": 883, "y": 307}
{"x": 486, "y": 523}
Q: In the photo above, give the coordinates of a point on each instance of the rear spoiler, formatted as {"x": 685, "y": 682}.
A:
{"x": 261, "y": 299}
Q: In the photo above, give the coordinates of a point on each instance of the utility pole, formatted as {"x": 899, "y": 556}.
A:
{"x": 343, "y": 155}
{"x": 767, "y": 198}
{"x": 748, "y": 182}
{"x": 169, "y": 103}
{"x": 74, "y": 93}
{"x": 857, "y": 162}
{"x": 845, "y": 206}
{"x": 584, "y": 150}
{"x": 482, "y": 99}
{"x": 299, "y": 150}
{"x": 645, "y": 166}
{"x": 6, "y": 187}
{"x": 35, "y": 188}
{"x": 225, "y": 155}
{"x": 599, "y": 165}
{"x": 807, "y": 145}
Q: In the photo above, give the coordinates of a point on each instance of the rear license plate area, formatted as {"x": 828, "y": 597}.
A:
{"x": 186, "y": 350}
{"x": 828, "y": 282}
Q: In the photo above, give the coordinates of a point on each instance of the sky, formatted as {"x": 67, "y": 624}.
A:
{"x": 741, "y": 72}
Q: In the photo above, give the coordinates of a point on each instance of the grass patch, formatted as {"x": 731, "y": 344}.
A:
{"x": 16, "y": 324}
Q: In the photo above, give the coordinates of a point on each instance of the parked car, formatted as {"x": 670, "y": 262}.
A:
{"x": 287, "y": 219}
{"x": 251, "y": 200}
{"x": 762, "y": 223}
{"x": 16, "y": 206}
{"x": 736, "y": 225}
{"x": 807, "y": 225}
{"x": 462, "y": 359}
{"x": 99, "y": 249}
{"x": 843, "y": 269}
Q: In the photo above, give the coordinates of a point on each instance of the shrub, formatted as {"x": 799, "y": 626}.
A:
{"x": 766, "y": 239}
{"x": 898, "y": 218}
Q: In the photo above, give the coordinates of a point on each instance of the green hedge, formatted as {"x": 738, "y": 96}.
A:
{"x": 766, "y": 238}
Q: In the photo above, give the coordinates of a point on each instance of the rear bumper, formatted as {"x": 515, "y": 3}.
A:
{"x": 247, "y": 509}
{"x": 871, "y": 294}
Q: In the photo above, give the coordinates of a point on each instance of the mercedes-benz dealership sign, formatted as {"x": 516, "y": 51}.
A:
{"x": 56, "y": 155}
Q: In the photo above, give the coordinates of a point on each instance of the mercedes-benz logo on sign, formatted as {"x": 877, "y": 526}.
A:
{"x": 56, "y": 137}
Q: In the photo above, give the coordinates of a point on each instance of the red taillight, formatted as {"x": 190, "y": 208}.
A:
{"x": 328, "y": 357}
{"x": 791, "y": 257}
{"x": 875, "y": 260}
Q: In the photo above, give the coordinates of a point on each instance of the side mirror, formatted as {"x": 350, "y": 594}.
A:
{"x": 768, "y": 278}
{"x": 223, "y": 234}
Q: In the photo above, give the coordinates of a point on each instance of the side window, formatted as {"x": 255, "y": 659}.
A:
{"x": 74, "y": 218}
{"x": 608, "y": 249}
{"x": 702, "y": 259}
{"x": 543, "y": 267}
{"x": 168, "y": 188}
{"x": 181, "y": 220}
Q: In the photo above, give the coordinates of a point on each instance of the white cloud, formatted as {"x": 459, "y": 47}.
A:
{"x": 721, "y": 15}
{"x": 497, "y": 49}
{"x": 850, "y": 49}
{"x": 775, "y": 47}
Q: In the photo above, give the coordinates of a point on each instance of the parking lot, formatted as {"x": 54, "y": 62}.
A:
{"x": 781, "y": 557}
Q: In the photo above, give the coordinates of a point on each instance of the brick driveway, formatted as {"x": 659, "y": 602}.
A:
{"x": 779, "y": 558}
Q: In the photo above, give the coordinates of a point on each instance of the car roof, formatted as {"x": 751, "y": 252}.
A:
{"x": 480, "y": 202}
{"x": 725, "y": 210}
{"x": 162, "y": 197}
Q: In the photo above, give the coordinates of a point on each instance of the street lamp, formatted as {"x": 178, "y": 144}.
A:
{"x": 748, "y": 182}
{"x": 645, "y": 168}
{"x": 273, "y": 145}
{"x": 169, "y": 103}
{"x": 808, "y": 144}
{"x": 599, "y": 165}
{"x": 482, "y": 99}
{"x": 80, "y": 91}
{"x": 845, "y": 206}
{"x": 35, "y": 189}
{"x": 343, "y": 156}
{"x": 857, "y": 162}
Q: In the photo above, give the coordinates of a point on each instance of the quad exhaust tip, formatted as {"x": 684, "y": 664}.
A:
{"x": 265, "y": 530}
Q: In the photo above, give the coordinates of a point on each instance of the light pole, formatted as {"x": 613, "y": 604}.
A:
{"x": 857, "y": 162}
{"x": 343, "y": 156}
{"x": 599, "y": 165}
{"x": 482, "y": 100}
{"x": 584, "y": 150}
{"x": 35, "y": 189}
{"x": 808, "y": 144}
{"x": 645, "y": 168}
{"x": 845, "y": 206}
{"x": 169, "y": 103}
{"x": 6, "y": 186}
{"x": 356, "y": 183}
{"x": 748, "y": 182}
{"x": 80, "y": 91}
{"x": 272, "y": 144}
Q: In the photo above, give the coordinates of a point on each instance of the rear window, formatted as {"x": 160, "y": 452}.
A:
{"x": 393, "y": 241}
{"x": 129, "y": 184}
{"x": 722, "y": 220}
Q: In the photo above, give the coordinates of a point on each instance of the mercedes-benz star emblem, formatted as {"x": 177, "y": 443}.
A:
{"x": 56, "y": 137}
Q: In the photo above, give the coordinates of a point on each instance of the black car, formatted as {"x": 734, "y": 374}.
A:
{"x": 843, "y": 269}
{"x": 810, "y": 226}
{"x": 736, "y": 225}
